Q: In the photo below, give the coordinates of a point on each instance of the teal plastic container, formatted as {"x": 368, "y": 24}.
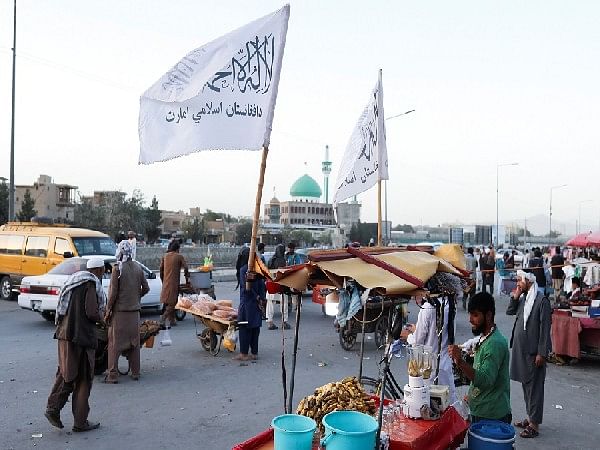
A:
{"x": 293, "y": 431}
{"x": 491, "y": 435}
{"x": 349, "y": 430}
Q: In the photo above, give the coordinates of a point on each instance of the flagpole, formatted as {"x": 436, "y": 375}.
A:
{"x": 259, "y": 189}
{"x": 379, "y": 213}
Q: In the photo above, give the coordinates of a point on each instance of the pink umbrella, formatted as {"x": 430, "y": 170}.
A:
{"x": 578, "y": 241}
{"x": 593, "y": 239}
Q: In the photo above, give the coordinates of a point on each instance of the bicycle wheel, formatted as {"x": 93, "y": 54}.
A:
{"x": 373, "y": 387}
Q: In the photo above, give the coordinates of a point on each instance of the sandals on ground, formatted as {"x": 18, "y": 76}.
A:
{"x": 522, "y": 424}
{"x": 529, "y": 432}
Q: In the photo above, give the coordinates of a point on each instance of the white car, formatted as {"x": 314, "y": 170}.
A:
{"x": 40, "y": 293}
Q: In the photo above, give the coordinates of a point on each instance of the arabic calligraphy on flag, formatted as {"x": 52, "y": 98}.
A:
{"x": 365, "y": 160}
{"x": 220, "y": 96}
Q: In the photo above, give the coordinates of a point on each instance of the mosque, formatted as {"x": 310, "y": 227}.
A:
{"x": 306, "y": 211}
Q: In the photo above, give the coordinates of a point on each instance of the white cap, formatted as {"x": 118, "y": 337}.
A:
{"x": 95, "y": 263}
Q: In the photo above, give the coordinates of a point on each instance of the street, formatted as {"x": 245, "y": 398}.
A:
{"x": 187, "y": 398}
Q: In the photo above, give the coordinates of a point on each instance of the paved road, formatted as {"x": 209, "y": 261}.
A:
{"x": 189, "y": 399}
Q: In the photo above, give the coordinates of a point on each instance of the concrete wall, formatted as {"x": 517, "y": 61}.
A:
{"x": 222, "y": 256}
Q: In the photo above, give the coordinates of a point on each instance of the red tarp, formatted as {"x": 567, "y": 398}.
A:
{"x": 578, "y": 241}
{"x": 593, "y": 239}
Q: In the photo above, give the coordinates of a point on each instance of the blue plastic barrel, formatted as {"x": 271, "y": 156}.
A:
{"x": 293, "y": 431}
{"x": 491, "y": 435}
{"x": 349, "y": 430}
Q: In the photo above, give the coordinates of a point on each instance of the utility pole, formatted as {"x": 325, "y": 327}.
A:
{"x": 11, "y": 187}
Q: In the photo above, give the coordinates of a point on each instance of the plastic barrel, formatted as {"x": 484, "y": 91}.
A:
{"x": 491, "y": 435}
{"x": 349, "y": 430}
{"x": 293, "y": 431}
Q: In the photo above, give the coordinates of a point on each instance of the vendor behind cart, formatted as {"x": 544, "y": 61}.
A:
{"x": 170, "y": 269}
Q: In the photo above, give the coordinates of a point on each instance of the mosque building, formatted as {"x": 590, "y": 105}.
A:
{"x": 306, "y": 211}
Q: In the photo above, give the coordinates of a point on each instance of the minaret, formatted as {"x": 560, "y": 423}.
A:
{"x": 326, "y": 169}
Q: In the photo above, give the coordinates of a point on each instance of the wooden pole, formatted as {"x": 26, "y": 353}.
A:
{"x": 261, "y": 182}
{"x": 379, "y": 213}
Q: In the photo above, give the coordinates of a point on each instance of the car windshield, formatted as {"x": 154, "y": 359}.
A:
{"x": 72, "y": 265}
{"x": 87, "y": 246}
{"x": 69, "y": 266}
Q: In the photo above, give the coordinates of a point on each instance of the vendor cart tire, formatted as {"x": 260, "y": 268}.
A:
{"x": 323, "y": 310}
{"x": 347, "y": 338}
{"x": 48, "y": 315}
{"x": 210, "y": 341}
{"x": 179, "y": 315}
{"x": 381, "y": 329}
{"x": 101, "y": 358}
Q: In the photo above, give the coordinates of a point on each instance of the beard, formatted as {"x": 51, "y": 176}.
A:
{"x": 477, "y": 331}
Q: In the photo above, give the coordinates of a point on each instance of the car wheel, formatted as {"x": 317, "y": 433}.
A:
{"x": 5, "y": 288}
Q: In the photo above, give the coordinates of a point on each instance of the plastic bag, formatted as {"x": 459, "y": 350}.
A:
{"x": 230, "y": 339}
{"x": 166, "y": 338}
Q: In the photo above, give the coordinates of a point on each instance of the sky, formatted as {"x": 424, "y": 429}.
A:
{"x": 491, "y": 82}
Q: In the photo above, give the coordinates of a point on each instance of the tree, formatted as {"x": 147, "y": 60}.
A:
{"x": 194, "y": 229}
{"x": 153, "y": 221}
{"x": 243, "y": 233}
{"x": 519, "y": 232}
{"x": 553, "y": 234}
{"x": 27, "y": 208}
{"x": 302, "y": 238}
{"x": 3, "y": 202}
{"x": 405, "y": 227}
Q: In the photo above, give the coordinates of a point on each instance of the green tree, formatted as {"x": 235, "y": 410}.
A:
{"x": 519, "y": 232}
{"x": 553, "y": 234}
{"x": 302, "y": 238}
{"x": 87, "y": 216}
{"x": 243, "y": 232}
{"x": 27, "y": 208}
{"x": 153, "y": 221}
{"x": 3, "y": 202}
{"x": 405, "y": 227}
{"x": 194, "y": 229}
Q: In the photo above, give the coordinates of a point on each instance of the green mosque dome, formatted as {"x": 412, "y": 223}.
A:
{"x": 305, "y": 186}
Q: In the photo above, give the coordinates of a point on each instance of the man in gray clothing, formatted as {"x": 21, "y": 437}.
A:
{"x": 530, "y": 343}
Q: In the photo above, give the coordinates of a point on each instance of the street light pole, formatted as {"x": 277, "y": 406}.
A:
{"x": 579, "y": 216}
{"x": 11, "y": 186}
{"x": 387, "y": 237}
{"x": 497, "y": 200}
{"x": 550, "y": 227}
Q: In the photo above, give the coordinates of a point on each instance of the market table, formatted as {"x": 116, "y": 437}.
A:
{"x": 571, "y": 334}
{"x": 406, "y": 434}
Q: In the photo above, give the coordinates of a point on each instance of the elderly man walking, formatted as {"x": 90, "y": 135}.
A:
{"x": 80, "y": 305}
{"x": 530, "y": 342}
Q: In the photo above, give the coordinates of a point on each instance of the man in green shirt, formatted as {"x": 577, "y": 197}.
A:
{"x": 489, "y": 392}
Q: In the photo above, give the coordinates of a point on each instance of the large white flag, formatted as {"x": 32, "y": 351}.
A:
{"x": 220, "y": 96}
{"x": 365, "y": 160}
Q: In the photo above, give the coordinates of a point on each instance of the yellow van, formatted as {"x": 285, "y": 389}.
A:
{"x": 31, "y": 248}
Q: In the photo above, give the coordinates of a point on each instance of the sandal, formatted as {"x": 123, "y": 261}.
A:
{"x": 529, "y": 432}
{"x": 522, "y": 424}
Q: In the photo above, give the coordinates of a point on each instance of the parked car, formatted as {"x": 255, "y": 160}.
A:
{"x": 32, "y": 248}
{"x": 40, "y": 292}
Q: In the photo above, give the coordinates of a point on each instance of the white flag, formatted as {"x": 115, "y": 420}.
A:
{"x": 365, "y": 160}
{"x": 220, "y": 96}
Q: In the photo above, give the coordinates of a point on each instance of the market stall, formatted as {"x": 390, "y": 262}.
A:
{"x": 383, "y": 278}
{"x": 574, "y": 336}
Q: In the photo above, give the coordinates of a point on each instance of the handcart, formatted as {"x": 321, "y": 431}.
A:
{"x": 188, "y": 288}
{"x": 211, "y": 336}
{"x": 148, "y": 329}
{"x": 376, "y": 321}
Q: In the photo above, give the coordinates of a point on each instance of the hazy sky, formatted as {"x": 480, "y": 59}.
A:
{"x": 491, "y": 82}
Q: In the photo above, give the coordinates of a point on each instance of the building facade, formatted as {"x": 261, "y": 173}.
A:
{"x": 53, "y": 200}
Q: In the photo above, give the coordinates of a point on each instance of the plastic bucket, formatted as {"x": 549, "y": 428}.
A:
{"x": 491, "y": 435}
{"x": 349, "y": 430}
{"x": 293, "y": 431}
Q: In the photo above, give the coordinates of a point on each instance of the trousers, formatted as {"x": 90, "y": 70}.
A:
{"x": 80, "y": 387}
{"x": 533, "y": 394}
{"x": 283, "y": 305}
{"x": 168, "y": 314}
{"x": 249, "y": 340}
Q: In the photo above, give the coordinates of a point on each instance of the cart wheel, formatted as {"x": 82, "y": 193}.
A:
{"x": 347, "y": 338}
{"x": 381, "y": 331}
{"x": 209, "y": 341}
{"x": 323, "y": 310}
{"x": 179, "y": 314}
